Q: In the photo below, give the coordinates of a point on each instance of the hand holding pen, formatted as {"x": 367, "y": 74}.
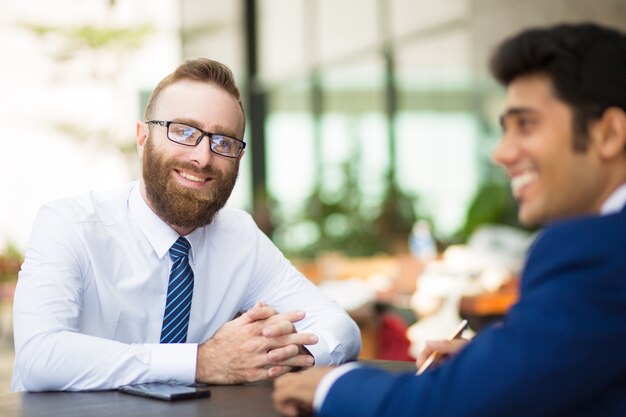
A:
{"x": 436, "y": 350}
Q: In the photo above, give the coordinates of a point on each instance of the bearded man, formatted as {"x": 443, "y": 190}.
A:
{"x": 146, "y": 283}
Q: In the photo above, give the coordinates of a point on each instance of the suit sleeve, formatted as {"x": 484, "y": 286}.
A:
{"x": 560, "y": 346}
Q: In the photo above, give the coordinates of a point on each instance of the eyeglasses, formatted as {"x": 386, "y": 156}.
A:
{"x": 186, "y": 135}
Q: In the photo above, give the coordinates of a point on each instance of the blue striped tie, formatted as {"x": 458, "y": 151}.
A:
{"x": 179, "y": 293}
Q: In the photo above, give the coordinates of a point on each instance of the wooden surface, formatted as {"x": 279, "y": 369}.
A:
{"x": 225, "y": 401}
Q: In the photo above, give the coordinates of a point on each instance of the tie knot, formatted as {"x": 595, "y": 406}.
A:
{"x": 180, "y": 248}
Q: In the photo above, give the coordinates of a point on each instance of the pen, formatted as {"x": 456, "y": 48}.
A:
{"x": 433, "y": 356}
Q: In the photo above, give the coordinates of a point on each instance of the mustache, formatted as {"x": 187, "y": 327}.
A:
{"x": 208, "y": 171}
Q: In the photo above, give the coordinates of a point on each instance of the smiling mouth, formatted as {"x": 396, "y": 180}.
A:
{"x": 519, "y": 182}
{"x": 193, "y": 178}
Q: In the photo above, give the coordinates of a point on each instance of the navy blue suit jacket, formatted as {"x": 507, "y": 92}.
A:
{"x": 560, "y": 352}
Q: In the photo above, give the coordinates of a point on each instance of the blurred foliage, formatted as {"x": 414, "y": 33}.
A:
{"x": 104, "y": 46}
{"x": 94, "y": 37}
{"x": 492, "y": 204}
{"x": 10, "y": 261}
{"x": 346, "y": 221}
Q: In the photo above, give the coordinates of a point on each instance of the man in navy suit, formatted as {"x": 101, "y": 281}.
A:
{"x": 562, "y": 349}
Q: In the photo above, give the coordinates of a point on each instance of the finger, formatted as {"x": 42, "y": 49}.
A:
{"x": 421, "y": 358}
{"x": 288, "y": 408}
{"x": 282, "y": 401}
{"x": 264, "y": 316}
{"x": 443, "y": 349}
{"x": 290, "y": 316}
{"x": 255, "y": 374}
{"x": 292, "y": 409}
{"x": 297, "y": 391}
{"x": 424, "y": 354}
{"x": 291, "y": 355}
{"x": 447, "y": 347}
{"x": 258, "y": 312}
{"x": 298, "y": 361}
{"x": 292, "y": 339}
{"x": 282, "y": 353}
{"x": 282, "y": 382}
{"x": 279, "y": 329}
{"x": 276, "y": 371}
{"x": 297, "y": 409}
{"x": 458, "y": 344}
{"x": 282, "y": 397}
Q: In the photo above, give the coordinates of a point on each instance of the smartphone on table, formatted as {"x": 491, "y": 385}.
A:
{"x": 167, "y": 392}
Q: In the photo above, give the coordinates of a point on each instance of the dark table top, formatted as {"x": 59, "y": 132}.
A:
{"x": 225, "y": 401}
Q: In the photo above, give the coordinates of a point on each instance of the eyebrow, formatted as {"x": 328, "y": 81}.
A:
{"x": 515, "y": 111}
{"x": 219, "y": 129}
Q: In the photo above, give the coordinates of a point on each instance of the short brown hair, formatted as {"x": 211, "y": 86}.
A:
{"x": 200, "y": 69}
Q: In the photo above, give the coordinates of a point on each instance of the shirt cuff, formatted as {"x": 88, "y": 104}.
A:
{"x": 174, "y": 363}
{"x": 327, "y": 382}
{"x": 327, "y": 351}
{"x": 320, "y": 352}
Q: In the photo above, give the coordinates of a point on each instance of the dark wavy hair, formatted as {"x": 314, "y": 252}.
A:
{"x": 586, "y": 64}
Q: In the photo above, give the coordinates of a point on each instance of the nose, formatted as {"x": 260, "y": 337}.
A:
{"x": 505, "y": 152}
{"x": 201, "y": 153}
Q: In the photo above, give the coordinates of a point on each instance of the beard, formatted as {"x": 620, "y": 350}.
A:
{"x": 178, "y": 205}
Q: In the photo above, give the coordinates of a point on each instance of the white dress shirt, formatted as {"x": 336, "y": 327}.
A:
{"x": 90, "y": 297}
{"x": 613, "y": 204}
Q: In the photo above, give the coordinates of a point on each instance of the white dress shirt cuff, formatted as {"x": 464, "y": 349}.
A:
{"x": 327, "y": 382}
{"x": 320, "y": 352}
{"x": 173, "y": 362}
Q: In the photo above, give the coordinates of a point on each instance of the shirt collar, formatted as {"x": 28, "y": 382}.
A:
{"x": 615, "y": 202}
{"x": 160, "y": 235}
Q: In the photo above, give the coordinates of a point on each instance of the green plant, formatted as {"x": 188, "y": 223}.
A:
{"x": 492, "y": 204}
{"x": 344, "y": 220}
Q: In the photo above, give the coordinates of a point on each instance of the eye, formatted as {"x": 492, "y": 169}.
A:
{"x": 525, "y": 123}
{"x": 185, "y": 133}
{"x": 222, "y": 144}
{"x": 519, "y": 123}
{"x": 182, "y": 133}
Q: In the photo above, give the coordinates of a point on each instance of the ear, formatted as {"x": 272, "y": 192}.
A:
{"x": 609, "y": 133}
{"x": 240, "y": 155}
{"x": 142, "y": 135}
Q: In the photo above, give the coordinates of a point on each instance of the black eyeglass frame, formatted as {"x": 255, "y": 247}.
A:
{"x": 167, "y": 123}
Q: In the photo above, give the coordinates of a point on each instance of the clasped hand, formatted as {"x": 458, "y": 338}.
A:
{"x": 259, "y": 344}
